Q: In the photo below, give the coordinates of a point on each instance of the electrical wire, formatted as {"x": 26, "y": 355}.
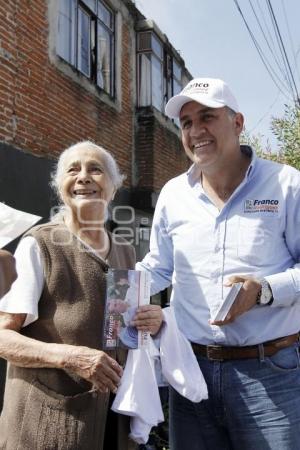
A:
{"x": 258, "y": 3}
{"x": 264, "y": 60}
{"x": 291, "y": 40}
{"x": 273, "y": 44}
{"x": 265, "y": 114}
{"x": 291, "y": 76}
{"x": 266, "y": 39}
{"x": 287, "y": 76}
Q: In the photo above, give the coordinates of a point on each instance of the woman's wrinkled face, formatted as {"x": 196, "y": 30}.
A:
{"x": 86, "y": 184}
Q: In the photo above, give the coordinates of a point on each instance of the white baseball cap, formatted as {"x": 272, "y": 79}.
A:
{"x": 210, "y": 92}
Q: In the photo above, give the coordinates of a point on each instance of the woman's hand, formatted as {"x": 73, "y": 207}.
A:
{"x": 94, "y": 366}
{"x": 148, "y": 318}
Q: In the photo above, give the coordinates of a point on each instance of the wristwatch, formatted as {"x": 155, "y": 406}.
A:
{"x": 265, "y": 295}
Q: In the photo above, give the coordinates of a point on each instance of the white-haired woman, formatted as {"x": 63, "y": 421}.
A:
{"x": 59, "y": 380}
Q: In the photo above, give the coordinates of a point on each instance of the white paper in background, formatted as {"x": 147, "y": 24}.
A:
{"x": 13, "y": 223}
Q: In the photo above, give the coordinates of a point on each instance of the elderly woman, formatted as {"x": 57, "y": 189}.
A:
{"x": 59, "y": 379}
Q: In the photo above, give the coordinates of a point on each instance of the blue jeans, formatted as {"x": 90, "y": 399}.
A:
{"x": 253, "y": 404}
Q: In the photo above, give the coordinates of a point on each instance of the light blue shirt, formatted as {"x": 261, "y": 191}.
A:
{"x": 196, "y": 247}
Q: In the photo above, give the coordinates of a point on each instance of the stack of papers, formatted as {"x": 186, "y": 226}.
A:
{"x": 228, "y": 302}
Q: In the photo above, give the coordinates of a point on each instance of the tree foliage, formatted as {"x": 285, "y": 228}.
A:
{"x": 255, "y": 141}
{"x": 287, "y": 132}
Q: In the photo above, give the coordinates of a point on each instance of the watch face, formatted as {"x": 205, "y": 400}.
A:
{"x": 266, "y": 293}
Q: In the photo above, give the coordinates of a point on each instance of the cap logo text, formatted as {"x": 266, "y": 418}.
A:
{"x": 195, "y": 86}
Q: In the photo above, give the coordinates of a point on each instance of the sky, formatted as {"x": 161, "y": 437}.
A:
{"x": 213, "y": 40}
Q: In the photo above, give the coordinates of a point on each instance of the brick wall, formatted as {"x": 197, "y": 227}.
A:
{"x": 43, "y": 111}
{"x": 169, "y": 156}
{"x": 144, "y": 150}
{"x": 159, "y": 153}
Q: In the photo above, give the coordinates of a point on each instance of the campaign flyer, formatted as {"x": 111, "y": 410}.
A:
{"x": 126, "y": 291}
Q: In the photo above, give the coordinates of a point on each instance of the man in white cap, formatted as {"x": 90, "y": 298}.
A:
{"x": 233, "y": 217}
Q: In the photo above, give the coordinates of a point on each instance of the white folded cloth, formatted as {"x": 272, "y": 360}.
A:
{"x": 138, "y": 394}
{"x": 179, "y": 364}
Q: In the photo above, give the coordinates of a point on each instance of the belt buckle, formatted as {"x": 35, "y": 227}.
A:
{"x": 210, "y": 349}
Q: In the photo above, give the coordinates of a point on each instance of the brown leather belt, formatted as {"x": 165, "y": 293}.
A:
{"x": 221, "y": 353}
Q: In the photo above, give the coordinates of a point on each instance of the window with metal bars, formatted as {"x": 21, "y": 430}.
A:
{"x": 86, "y": 40}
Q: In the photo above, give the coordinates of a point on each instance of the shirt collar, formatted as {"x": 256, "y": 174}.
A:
{"x": 247, "y": 150}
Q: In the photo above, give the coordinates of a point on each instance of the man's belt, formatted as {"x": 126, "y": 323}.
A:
{"x": 221, "y": 353}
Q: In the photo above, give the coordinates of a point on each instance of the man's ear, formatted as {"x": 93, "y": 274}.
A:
{"x": 239, "y": 122}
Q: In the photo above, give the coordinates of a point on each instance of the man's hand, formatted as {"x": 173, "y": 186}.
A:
{"x": 245, "y": 299}
{"x": 148, "y": 318}
{"x": 8, "y": 272}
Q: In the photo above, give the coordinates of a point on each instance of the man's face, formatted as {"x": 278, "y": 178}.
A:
{"x": 123, "y": 282}
{"x": 117, "y": 305}
{"x": 210, "y": 136}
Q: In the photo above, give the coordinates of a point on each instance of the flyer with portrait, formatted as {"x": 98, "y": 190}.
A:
{"x": 126, "y": 290}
